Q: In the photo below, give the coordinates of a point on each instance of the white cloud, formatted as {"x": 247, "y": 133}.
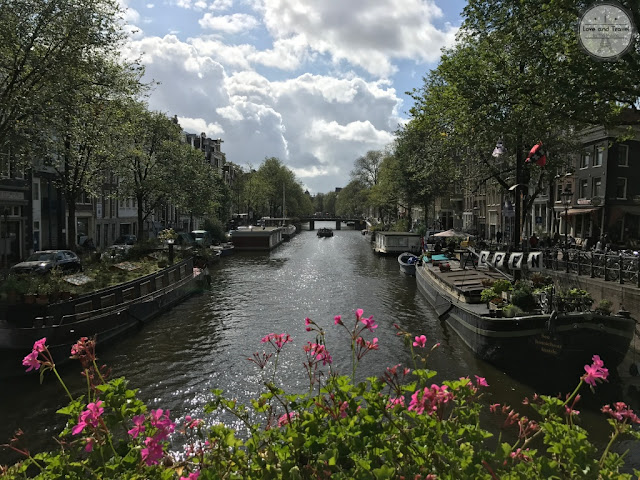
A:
{"x": 364, "y": 33}
{"x": 199, "y": 125}
{"x": 236, "y": 23}
{"x": 150, "y": 5}
{"x": 316, "y": 124}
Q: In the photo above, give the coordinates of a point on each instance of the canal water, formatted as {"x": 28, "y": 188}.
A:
{"x": 205, "y": 342}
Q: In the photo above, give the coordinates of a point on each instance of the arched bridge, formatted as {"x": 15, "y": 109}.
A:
{"x": 358, "y": 223}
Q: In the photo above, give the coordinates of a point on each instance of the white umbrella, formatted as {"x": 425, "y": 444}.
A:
{"x": 450, "y": 233}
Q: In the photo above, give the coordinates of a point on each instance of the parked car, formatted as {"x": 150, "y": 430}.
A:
{"x": 44, "y": 261}
{"x": 202, "y": 237}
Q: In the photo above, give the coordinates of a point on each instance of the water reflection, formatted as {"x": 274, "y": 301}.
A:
{"x": 204, "y": 343}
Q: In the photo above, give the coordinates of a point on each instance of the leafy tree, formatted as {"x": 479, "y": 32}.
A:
{"x": 330, "y": 203}
{"x": 44, "y": 45}
{"x": 80, "y": 133}
{"x": 153, "y": 159}
{"x": 352, "y": 199}
{"x": 367, "y": 168}
{"x": 201, "y": 190}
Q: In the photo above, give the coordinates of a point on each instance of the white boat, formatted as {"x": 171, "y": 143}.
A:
{"x": 408, "y": 262}
{"x": 394, "y": 243}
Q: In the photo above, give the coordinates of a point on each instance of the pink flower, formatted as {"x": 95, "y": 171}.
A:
{"x": 621, "y": 412}
{"x": 90, "y": 444}
{"x": 394, "y": 402}
{"x": 481, "y": 381}
{"x": 420, "y": 341}
{"x": 359, "y": 313}
{"x": 430, "y": 400}
{"x": 192, "y": 476}
{"x": 287, "y": 418}
{"x": 337, "y": 320}
{"x": 38, "y": 346}
{"x": 277, "y": 340}
{"x": 595, "y": 371}
{"x": 31, "y": 361}
{"x": 138, "y": 422}
{"x": 89, "y": 417}
{"x": 307, "y": 322}
{"x": 153, "y": 451}
{"x": 493, "y": 408}
{"x": 162, "y": 422}
{"x": 369, "y": 323}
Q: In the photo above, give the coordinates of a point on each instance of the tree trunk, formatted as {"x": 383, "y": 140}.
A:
{"x": 141, "y": 234}
{"x": 71, "y": 225}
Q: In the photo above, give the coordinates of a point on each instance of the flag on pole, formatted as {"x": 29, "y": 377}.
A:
{"x": 537, "y": 155}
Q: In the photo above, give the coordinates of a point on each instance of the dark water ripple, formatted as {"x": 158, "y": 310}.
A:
{"x": 204, "y": 343}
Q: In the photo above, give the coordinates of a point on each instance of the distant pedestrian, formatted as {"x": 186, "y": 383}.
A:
{"x": 499, "y": 236}
{"x": 533, "y": 241}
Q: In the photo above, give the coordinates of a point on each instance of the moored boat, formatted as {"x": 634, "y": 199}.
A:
{"x": 408, "y": 262}
{"x": 223, "y": 249}
{"x": 394, "y": 243}
{"x": 288, "y": 232}
{"x": 562, "y": 340}
{"x": 107, "y": 314}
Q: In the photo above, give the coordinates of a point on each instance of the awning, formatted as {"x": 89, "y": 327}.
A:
{"x": 579, "y": 211}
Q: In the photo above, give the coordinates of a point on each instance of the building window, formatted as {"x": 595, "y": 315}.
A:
{"x": 585, "y": 160}
{"x": 584, "y": 186}
{"x": 599, "y": 157}
{"x": 36, "y": 190}
{"x": 623, "y": 155}
{"x": 621, "y": 188}
{"x": 559, "y": 192}
{"x": 597, "y": 187}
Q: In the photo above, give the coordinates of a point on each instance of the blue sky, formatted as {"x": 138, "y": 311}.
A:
{"x": 316, "y": 83}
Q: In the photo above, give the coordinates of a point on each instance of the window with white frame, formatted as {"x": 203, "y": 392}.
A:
{"x": 585, "y": 160}
{"x": 36, "y": 191}
{"x": 558, "y": 192}
{"x": 597, "y": 162}
{"x": 621, "y": 188}
{"x": 623, "y": 155}
{"x": 597, "y": 187}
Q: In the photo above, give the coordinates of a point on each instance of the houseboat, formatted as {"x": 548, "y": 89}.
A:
{"x": 395, "y": 243}
{"x": 255, "y": 238}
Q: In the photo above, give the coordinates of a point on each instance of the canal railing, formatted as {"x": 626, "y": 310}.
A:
{"x": 617, "y": 267}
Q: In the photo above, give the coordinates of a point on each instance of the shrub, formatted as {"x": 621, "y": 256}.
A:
{"x": 502, "y": 285}
{"x": 522, "y": 297}
{"x": 400, "y": 425}
{"x": 216, "y": 229}
{"x": 604, "y": 307}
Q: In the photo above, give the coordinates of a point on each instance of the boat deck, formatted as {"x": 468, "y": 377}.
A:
{"x": 466, "y": 282}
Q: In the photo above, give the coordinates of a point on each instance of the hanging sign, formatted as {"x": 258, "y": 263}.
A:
{"x": 498, "y": 259}
{"x": 484, "y": 256}
{"x": 534, "y": 261}
{"x": 515, "y": 261}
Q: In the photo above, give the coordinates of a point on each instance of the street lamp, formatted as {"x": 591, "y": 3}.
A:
{"x": 170, "y": 242}
{"x": 566, "y": 195}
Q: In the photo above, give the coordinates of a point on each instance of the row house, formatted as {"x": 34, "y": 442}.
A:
{"x": 598, "y": 193}
{"x": 33, "y": 212}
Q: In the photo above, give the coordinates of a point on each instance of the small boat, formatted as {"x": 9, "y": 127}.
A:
{"x": 325, "y": 232}
{"x": 562, "y": 339}
{"x": 408, "y": 262}
{"x": 223, "y": 249}
{"x": 288, "y": 231}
